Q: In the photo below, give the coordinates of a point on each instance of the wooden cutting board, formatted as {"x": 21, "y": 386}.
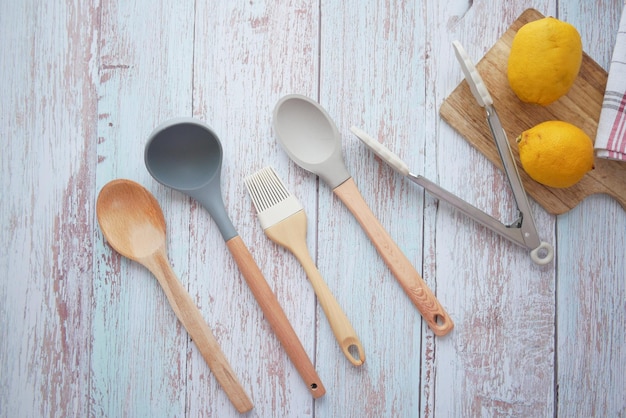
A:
{"x": 581, "y": 107}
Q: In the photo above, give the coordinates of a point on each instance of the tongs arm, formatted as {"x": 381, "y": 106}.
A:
{"x": 541, "y": 252}
{"x": 512, "y": 234}
{"x": 527, "y": 224}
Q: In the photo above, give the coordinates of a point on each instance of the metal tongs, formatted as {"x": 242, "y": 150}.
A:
{"x": 522, "y": 231}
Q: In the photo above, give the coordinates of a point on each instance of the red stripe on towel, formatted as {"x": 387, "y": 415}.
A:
{"x": 617, "y": 139}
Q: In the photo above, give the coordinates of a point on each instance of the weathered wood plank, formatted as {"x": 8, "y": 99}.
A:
{"x": 372, "y": 76}
{"x": 85, "y": 332}
{"x": 591, "y": 297}
{"x": 246, "y": 57}
{"x": 500, "y": 359}
{"x": 46, "y": 211}
{"x": 140, "y": 351}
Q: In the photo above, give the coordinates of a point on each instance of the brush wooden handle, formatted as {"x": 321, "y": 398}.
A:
{"x": 291, "y": 233}
{"x": 339, "y": 322}
{"x": 275, "y": 315}
{"x": 410, "y": 280}
{"x": 190, "y": 316}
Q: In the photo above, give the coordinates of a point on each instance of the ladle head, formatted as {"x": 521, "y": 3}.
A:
{"x": 185, "y": 154}
{"x": 131, "y": 219}
{"x": 310, "y": 138}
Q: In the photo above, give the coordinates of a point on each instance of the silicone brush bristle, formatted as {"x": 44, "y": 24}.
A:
{"x": 271, "y": 199}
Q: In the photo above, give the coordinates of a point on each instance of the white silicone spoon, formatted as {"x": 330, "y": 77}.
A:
{"x": 309, "y": 136}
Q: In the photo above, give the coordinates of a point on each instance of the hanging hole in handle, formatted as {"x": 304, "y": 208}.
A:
{"x": 353, "y": 350}
{"x": 543, "y": 254}
{"x": 316, "y": 388}
{"x": 441, "y": 325}
{"x": 356, "y": 356}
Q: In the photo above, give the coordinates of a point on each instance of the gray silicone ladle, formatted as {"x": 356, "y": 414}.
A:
{"x": 311, "y": 139}
{"x": 185, "y": 154}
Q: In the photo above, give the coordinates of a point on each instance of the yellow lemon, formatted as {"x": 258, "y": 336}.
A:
{"x": 544, "y": 61}
{"x": 555, "y": 153}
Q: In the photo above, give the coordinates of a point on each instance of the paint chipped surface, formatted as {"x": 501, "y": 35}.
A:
{"x": 86, "y": 332}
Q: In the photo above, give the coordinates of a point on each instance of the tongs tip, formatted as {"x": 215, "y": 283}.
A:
{"x": 475, "y": 81}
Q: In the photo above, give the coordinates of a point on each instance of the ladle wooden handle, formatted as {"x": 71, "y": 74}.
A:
{"x": 410, "y": 280}
{"x": 275, "y": 315}
{"x": 191, "y": 318}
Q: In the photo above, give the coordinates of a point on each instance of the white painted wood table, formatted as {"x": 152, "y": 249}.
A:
{"x": 85, "y": 332}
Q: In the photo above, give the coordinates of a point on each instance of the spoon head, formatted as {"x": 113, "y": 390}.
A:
{"x": 131, "y": 219}
{"x": 184, "y": 154}
{"x": 310, "y": 138}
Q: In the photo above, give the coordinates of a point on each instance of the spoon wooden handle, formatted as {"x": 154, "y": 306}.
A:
{"x": 410, "y": 280}
{"x": 191, "y": 318}
{"x": 275, "y": 315}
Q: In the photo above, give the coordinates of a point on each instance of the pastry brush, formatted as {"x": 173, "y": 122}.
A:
{"x": 284, "y": 221}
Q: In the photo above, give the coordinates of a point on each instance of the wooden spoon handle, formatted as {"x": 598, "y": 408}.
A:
{"x": 340, "y": 324}
{"x": 191, "y": 318}
{"x": 275, "y": 315}
{"x": 410, "y": 280}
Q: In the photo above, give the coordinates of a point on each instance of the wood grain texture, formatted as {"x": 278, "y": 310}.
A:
{"x": 502, "y": 304}
{"x": 591, "y": 296}
{"x": 191, "y": 318}
{"x": 85, "y": 332}
{"x": 372, "y": 66}
{"x": 244, "y": 62}
{"x": 139, "y": 347}
{"x": 275, "y": 315}
{"x": 410, "y": 280}
{"x": 48, "y": 132}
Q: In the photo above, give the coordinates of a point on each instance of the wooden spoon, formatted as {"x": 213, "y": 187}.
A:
{"x": 133, "y": 224}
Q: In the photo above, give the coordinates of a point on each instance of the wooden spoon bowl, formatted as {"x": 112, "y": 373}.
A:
{"x": 131, "y": 219}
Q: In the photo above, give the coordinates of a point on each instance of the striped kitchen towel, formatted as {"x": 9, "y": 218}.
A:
{"x": 611, "y": 136}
